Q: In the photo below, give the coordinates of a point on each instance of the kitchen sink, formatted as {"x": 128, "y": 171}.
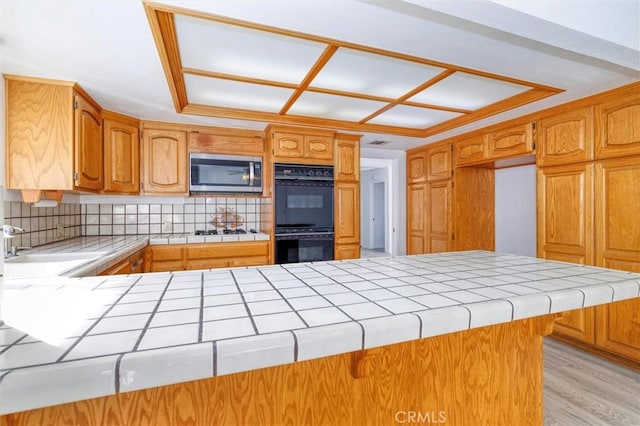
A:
{"x": 46, "y": 264}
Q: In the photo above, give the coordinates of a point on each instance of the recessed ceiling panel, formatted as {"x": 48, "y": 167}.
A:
{"x": 336, "y": 107}
{"x": 413, "y": 117}
{"x": 230, "y": 49}
{"x": 361, "y": 72}
{"x": 468, "y": 91}
{"x": 232, "y": 94}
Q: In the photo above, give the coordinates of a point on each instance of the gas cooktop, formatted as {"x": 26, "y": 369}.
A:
{"x": 224, "y": 231}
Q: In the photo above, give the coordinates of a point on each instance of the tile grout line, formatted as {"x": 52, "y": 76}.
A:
{"x": 97, "y": 320}
{"x": 153, "y": 313}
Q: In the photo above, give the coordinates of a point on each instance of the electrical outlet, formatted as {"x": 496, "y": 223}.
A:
{"x": 167, "y": 226}
{"x": 60, "y": 230}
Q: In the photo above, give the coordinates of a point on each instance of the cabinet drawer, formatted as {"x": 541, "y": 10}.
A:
{"x": 167, "y": 266}
{"x": 249, "y": 261}
{"x": 165, "y": 253}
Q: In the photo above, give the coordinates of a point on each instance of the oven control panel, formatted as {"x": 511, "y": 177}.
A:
{"x": 303, "y": 172}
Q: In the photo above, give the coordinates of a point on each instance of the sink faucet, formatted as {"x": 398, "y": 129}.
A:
{"x": 8, "y": 233}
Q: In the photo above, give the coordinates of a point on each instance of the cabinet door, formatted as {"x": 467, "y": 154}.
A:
{"x": 121, "y": 156}
{"x": 565, "y": 213}
{"x": 347, "y": 251}
{"x": 565, "y": 138}
{"x": 618, "y": 213}
{"x": 578, "y": 324}
{"x": 165, "y": 162}
{"x": 288, "y": 145}
{"x": 618, "y": 125}
{"x": 618, "y": 328}
{"x": 439, "y": 165}
{"x": 318, "y": 147}
{"x": 347, "y": 158}
{"x": 416, "y": 215}
{"x": 509, "y": 142}
{"x": 88, "y": 145}
{"x": 417, "y": 167}
{"x": 347, "y": 213}
{"x": 439, "y": 223}
{"x": 470, "y": 151}
{"x": 39, "y": 135}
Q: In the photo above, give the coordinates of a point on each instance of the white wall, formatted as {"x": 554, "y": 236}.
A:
{"x": 516, "y": 210}
{"x": 396, "y": 195}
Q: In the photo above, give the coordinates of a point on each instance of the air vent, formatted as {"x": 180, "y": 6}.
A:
{"x": 378, "y": 143}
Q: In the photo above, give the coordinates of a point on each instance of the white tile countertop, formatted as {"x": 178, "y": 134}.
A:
{"x": 124, "y": 333}
{"x": 109, "y": 250}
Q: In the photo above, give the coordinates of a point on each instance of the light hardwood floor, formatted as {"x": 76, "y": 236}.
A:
{"x": 581, "y": 389}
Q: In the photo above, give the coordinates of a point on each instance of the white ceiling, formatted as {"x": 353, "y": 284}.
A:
{"x": 583, "y": 47}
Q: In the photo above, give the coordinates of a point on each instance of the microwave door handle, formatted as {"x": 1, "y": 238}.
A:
{"x": 251, "y": 173}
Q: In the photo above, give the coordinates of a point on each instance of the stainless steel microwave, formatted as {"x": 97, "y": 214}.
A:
{"x": 230, "y": 174}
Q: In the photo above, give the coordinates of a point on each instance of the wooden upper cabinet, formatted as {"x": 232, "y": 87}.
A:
{"x": 318, "y": 147}
{"x": 347, "y": 158}
{"x": 347, "y": 213}
{"x": 228, "y": 141}
{"x": 617, "y": 202}
{"x": 88, "y": 149}
{"x": 121, "y": 138}
{"x": 417, "y": 167}
{"x": 565, "y": 138}
{"x": 439, "y": 164}
{"x": 164, "y": 162}
{"x": 509, "y": 142}
{"x": 288, "y": 145}
{"x": 618, "y": 125}
{"x": 471, "y": 150}
{"x": 53, "y": 132}
{"x": 565, "y": 213}
{"x": 301, "y": 145}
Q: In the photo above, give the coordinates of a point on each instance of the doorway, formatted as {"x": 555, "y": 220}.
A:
{"x": 378, "y": 217}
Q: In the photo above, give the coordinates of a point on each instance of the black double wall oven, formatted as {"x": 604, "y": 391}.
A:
{"x": 304, "y": 213}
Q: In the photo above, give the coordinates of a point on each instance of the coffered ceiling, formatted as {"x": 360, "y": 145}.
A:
{"x": 269, "y": 74}
{"x": 407, "y": 72}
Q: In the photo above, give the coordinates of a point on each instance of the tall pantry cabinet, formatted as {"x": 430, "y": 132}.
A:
{"x": 430, "y": 199}
{"x": 588, "y": 204}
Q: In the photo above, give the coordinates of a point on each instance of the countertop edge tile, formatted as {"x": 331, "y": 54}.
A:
{"x": 625, "y": 290}
{"x": 448, "y": 319}
{"x": 566, "y": 300}
{"x": 254, "y": 352}
{"x": 389, "y": 330}
{"x": 327, "y": 340}
{"x": 530, "y": 305}
{"x": 43, "y": 386}
{"x": 164, "y": 366}
{"x": 490, "y": 312}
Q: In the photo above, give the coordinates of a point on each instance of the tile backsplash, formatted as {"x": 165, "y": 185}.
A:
{"x": 192, "y": 214}
{"x": 41, "y": 224}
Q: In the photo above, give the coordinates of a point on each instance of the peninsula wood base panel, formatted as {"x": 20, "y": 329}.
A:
{"x": 485, "y": 376}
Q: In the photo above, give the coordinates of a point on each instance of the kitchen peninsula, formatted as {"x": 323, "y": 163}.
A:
{"x": 454, "y": 336}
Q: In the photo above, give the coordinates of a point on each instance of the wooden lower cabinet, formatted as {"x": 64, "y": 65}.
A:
{"x": 483, "y": 376}
{"x": 133, "y": 264}
{"x": 181, "y": 257}
{"x": 618, "y": 328}
{"x": 578, "y": 325}
{"x": 416, "y": 204}
{"x": 347, "y": 251}
{"x": 439, "y": 216}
